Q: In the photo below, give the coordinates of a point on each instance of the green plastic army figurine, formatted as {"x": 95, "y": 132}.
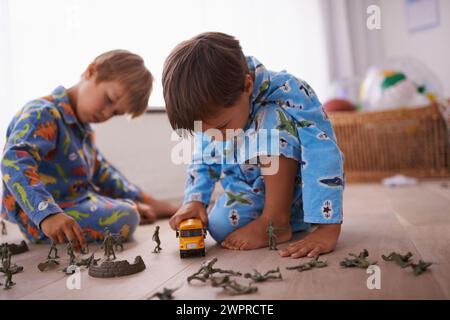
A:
{"x": 47, "y": 264}
{"x": 118, "y": 242}
{"x": 232, "y": 286}
{"x": 405, "y": 261}
{"x": 6, "y": 265}
{"x": 402, "y": 260}
{"x": 14, "y": 248}
{"x": 157, "y": 240}
{"x": 70, "y": 253}
{"x": 313, "y": 263}
{"x": 88, "y": 262}
{"x": 272, "y": 236}
{"x": 4, "y": 231}
{"x": 53, "y": 248}
{"x": 6, "y": 269}
{"x": 71, "y": 267}
{"x": 108, "y": 245}
{"x": 235, "y": 288}
{"x": 258, "y": 277}
{"x": 51, "y": 262}
{"x": 218, "y": 281}
{"x": 166, "y": 294}
{"x": 4, "y": 251}
{"x": 420, "y": 267}
{"x": 206, "y": 270}
{"x": 358, "y": 261}
{"x": 14, "y": 268}
{"x": 85, "y": 249}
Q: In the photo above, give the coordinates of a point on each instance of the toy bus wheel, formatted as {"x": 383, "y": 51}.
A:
{"x": 203, "y": 252}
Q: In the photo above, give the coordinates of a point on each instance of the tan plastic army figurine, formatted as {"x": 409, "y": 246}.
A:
{"x": 4, "y": 231}
{"x": 256, "y": 276}
{"x": 206, "y": 270}
{"x": 157, "y": 240}
{"x": 6, "y": 263}
{"x": 108, "y": 245}
{"x": 358, "y": 261}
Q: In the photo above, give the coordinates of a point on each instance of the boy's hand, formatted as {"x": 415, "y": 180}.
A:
{"x": 321, "y": 240}
{"x": 189, "y": 210}
{"x": 147, "y": 213}
{"x": 60, "y": 227}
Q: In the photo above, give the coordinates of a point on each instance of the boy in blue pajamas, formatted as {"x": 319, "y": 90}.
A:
{"x": 292, "y": 178}
{"x": 56, "y": 183}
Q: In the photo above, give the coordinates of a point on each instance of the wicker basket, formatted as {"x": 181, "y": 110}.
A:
{"x": 380, "y": 144}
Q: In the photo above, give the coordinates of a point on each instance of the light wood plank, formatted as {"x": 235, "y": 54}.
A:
{"x": 377, "y": 218}
{"x": 433, "y": 237}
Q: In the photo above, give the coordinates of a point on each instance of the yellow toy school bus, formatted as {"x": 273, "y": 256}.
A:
{"x": 191, "y": 234}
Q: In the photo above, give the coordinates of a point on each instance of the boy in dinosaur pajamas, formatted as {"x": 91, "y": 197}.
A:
{"x": 56, "y": 183}
{"x": 290, "y": 177}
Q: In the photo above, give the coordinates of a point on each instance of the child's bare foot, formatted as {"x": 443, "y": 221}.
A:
{"x": 157, "y": 210}
{"x": 320, "y": 241}
{"x": 254, "y": 235}
{"x": 148, "y": 215}
{"x": 162, "y": 208}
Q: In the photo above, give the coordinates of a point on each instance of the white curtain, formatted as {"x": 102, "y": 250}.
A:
{"x": 351, "y": 46}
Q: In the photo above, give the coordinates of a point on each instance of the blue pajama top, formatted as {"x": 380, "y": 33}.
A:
{"x": 292, "y": 123}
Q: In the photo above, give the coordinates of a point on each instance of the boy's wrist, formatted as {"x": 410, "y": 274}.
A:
{"x": 40, "y": 216}
{"x": 332, "y": 230}
{"x": 48, "y": 219}
{"x": 191, "y": 199}
{"x": 195, "y": 204}
{"x": 330, "y": 226}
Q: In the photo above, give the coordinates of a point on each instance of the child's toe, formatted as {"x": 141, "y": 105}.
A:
{"x": 243, "y": 245}
{"x": 225, "y": 244}
{"x": 235, "y": 243}
{"x": 228, "y": 242}
{"x": 284, "y": 253}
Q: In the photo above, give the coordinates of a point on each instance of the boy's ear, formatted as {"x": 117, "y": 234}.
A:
{"x": 90, "y": 71}
{"x": 248, "y": 84}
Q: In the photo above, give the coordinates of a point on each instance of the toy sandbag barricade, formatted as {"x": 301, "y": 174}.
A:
{"x": 111, "y": 269}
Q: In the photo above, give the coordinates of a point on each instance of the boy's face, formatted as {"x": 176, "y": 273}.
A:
{"x": 98, "y": 102}
{"x": 232, "y": 117}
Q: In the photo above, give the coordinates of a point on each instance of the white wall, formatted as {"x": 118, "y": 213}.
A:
{"x": 141, "y": 149}
{"x": 431, "y": 46}
{"x": 6, "y": 109}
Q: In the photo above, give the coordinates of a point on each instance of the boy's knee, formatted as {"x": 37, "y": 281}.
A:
{"x": 218, "y": 225}
{"x": 130, "y": 222}
{"x": 127, "y": 221}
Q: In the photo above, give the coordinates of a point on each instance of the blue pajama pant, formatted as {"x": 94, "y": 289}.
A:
{"x": 93, "y": 213}
{"x": 227, "y": 215}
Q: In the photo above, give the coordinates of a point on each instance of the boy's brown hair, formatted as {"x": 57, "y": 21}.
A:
{"x": 202, "y": 75}
{"x": 129, "y": 70}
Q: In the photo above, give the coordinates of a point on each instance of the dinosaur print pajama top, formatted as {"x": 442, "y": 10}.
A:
{"x": 50, "y": 164}
{"x": 286, "y": 119}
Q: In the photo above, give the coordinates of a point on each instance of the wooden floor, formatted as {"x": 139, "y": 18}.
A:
{"x": 377, "y": 218}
